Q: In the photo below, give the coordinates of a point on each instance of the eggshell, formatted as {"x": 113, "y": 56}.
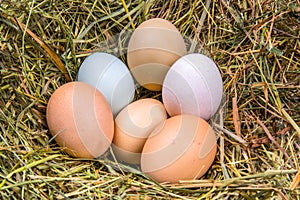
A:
{"x": 183, "y": 148}
{"x": 80, "y": 120}
{"x": 153, "y": 47}
{"x": 194, "y": 86}
{"x": 133, "y": 125}
{"x": 111, "y": 77}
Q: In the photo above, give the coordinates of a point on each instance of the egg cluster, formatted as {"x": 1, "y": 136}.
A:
{"x": 169, "y": 141}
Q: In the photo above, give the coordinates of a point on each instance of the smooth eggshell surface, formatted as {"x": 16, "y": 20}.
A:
{"x": 153, "y": 47}
{"x": 111, "y": 77}
{"x": 80, "y": 120}
{"x": 183, "y": 148}
{"x": 193, "y": 86}
{"x": 133, "y": 125}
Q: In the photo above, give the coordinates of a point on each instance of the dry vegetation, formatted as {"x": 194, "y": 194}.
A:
{"x": 256, "y": 44}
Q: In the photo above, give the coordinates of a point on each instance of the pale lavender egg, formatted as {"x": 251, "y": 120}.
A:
{"x": 193, "y": 85}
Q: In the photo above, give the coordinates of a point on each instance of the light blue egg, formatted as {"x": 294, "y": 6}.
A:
{"x": 111, "y": 77}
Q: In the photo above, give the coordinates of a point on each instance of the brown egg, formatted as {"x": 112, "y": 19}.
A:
{"x": 80, "y": 120}
{"x": 153, "y": 47}
{"x": 182, "y": 149}
{"x": 133, "y": 125}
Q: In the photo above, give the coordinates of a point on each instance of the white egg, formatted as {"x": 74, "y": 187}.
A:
{"x": 193, "y": 85}
{"x": 111, "y": 77}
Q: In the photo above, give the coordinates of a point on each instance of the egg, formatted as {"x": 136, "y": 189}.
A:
{"x": 80, "y": 120}
{"x": 183, "y": 148}
{"x": 111, "y": 77}
{"x": 133, "y": 125}
{"x": 193, "y": 86}
{"x": 153, "y": 47}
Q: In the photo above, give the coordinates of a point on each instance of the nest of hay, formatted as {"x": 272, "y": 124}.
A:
{"x": 256, "y": 45}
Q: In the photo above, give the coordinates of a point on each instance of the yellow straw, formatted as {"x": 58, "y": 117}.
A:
{"x": 126, "y": 10}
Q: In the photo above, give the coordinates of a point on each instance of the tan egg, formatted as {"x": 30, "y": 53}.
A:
{"x": 133, "y": 125}
{"x": 80, "y": 120}
{"x": 183, "y": 148}
{"x": 153, "y": 47}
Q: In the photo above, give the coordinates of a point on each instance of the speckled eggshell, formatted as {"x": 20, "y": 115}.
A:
{"x": 183, "y": 148}
{"x": 193, "y": 86}
{"x": 153, "y": 47}
{"x": 133, "y": 125}
{"x": 80, "y": 120}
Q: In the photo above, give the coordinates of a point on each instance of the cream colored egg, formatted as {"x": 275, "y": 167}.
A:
{"x": 133, "y": 125}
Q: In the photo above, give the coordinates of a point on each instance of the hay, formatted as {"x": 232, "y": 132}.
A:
{"x": 256, "y": 45}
